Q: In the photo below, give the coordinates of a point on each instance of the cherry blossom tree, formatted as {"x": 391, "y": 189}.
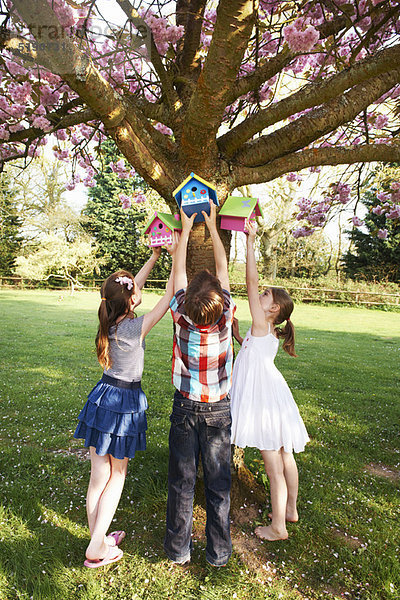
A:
{"x": 239, "y": 91}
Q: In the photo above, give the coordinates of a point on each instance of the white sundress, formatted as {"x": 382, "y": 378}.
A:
{"x": 264, "y": 413}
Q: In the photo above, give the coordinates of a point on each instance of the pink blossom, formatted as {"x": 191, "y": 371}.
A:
{"x": 357, "y": 222}
{"x": 139, "y": 197}
{"x": 120, "y": 169}
{"x": 61, "y": 134}
{"x": 89, "y": 182}
{"x": 299, "y": 39}
{"x": 74, "y": 139}
{"x": 70, "y": 185}
{"x": 341, "y": 192}
{"x": 377, "y": 210}
{"x": 382, "y": 234}
{"x": 383, "y": 196}
{"x": 42, "y": 123}
{"x": 291, "y": 177}
{"x": 16, "y": 127}
{"x": 63, "y": 12}
{"x": 48, "y": 97}
{"x": 15, "y": 68}
{"x": 17, "y": 110}
{"x": 380, "y": 121}
{"x": 394, "y": 213}
{"x": 125, "y": 201}
{"x": 164, "y": 34}
{"x": 4, "y": 134}
{"x": 118, "y": 76}
{"x": 395, "y": 185}
{"x": 62, "y": 154}
{"x": 302, "y": 232}
{"x": 20, "y": 93}
{"x": 163, "y": 129}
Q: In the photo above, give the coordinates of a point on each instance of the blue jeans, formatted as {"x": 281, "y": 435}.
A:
{"x": 199, "y": 428}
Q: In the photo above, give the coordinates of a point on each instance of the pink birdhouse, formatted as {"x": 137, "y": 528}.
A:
{"x": 236, "y": 210}
{"x": 161, "y": 227}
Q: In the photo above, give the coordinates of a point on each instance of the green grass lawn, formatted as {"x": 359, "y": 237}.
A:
{"x": 346, "y": 384}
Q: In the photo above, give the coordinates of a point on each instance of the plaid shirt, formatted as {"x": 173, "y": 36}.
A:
{"x": 202, "y": 355}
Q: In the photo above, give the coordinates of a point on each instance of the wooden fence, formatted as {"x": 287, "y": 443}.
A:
{"x": 299, "y": 294}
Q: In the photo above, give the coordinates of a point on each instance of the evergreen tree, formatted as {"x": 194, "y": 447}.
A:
{"x": 117, "y": 230}
{"x": 10, "y": 226}
{"x": 371, "y": 257}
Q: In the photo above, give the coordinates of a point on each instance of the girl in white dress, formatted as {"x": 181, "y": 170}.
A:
{"x": 264, "y": 413}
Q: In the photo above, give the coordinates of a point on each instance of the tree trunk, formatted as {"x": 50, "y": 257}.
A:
{"x": 268, "y": 256}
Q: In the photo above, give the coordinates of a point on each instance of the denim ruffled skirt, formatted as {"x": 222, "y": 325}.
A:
{"x": 113, "y": 419}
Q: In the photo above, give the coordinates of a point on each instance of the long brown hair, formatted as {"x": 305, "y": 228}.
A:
{"x": 115, "y": 301}
{"x": 204, "y": 299}
{"x": 285, "y": 303}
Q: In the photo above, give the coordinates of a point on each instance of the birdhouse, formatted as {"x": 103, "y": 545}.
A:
{"x": 160, "y": 228}
{"x": 236, "y": 210}
{"x": 194, "y": 195}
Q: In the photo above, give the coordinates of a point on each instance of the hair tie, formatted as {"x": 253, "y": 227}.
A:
{"x": 104, "y": 299}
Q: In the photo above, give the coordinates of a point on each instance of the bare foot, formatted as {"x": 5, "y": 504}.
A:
{"x": 290, "y": 518}
{"x": 271, "y": 535}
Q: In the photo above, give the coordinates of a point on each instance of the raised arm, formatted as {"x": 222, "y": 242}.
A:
{"x": 258, "y": 326}
{"x": 180, "y": 278}
{"x": 144, "y": 272}
{"x": 152, "y": 317}
{"x": 221, "y": 262}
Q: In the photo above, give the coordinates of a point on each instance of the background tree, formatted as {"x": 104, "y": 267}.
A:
{"x": 40, "y": 193}
{"x": 10, "y": 226}
{"x": 56, "y": 258}
{"x": 375, "y": 250}
{"x": 115, "y": 215}
{"x": 308, "y": 257}
{"x": 241, "y": 95}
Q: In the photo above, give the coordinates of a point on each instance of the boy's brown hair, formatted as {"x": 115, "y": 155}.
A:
{"x": 204, "y": 299}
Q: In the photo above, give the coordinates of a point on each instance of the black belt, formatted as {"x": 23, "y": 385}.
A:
{"x": 129, "y": 385}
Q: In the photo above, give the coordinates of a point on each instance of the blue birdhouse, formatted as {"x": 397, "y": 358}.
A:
{"x": 193, "y": 195}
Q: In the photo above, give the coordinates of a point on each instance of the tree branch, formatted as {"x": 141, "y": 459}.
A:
{"x": 135, "y": 137}
{"x": 72, "y": 64}
{"x": 310, "y": 95}
{"x": 275, "y": 64}
{"x": 166, "y": 83}
{"x": 315, "y": 157}
{"x": 69, "y": 120}
{"x": 235, "y": 19}
{"x": 189, "y": 13}
{"x": 317, "y": 122}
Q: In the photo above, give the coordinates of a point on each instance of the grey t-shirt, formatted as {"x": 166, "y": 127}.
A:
{"x": 126, "y": 351}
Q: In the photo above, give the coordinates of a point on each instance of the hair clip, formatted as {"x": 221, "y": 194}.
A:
{"x": 125, "y": 280}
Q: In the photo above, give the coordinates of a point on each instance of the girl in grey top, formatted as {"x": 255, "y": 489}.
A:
{"x": 113, "y": 420}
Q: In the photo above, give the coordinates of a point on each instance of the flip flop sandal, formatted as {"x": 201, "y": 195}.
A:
{"x": 110, "y": 558}
{"x": 117, "y": 536}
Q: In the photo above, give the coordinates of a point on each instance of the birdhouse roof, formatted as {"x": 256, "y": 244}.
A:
{"x": 240, "y": 206}
{"x": 166, "y": 218}
{"x": 193, "y": 176}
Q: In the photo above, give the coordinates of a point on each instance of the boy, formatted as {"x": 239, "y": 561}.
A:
{"x": 200, "y": 419}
